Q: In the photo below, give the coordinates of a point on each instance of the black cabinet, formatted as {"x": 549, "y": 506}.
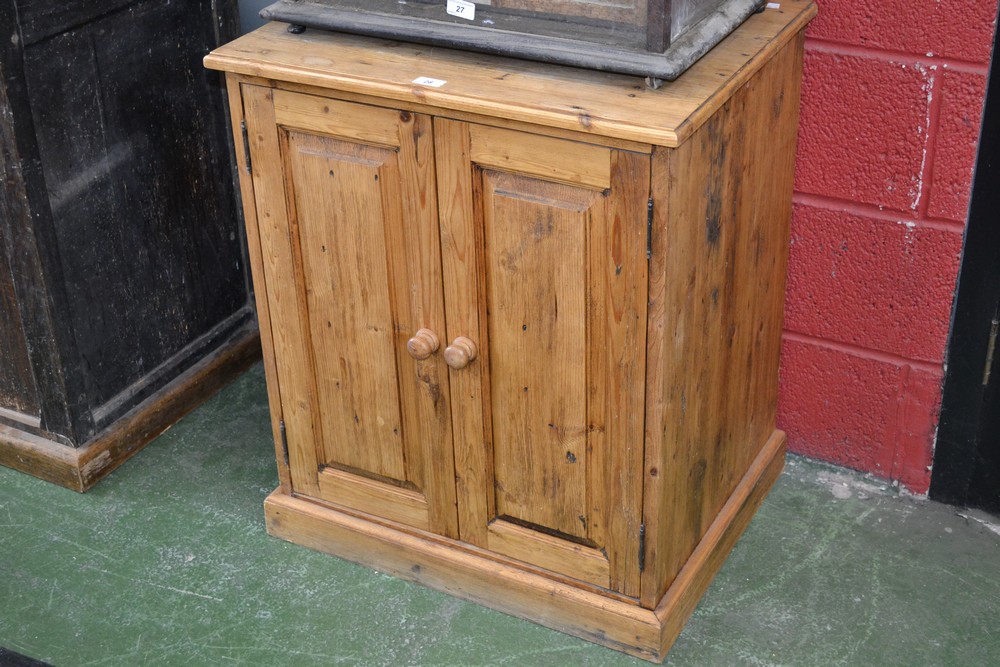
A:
{"x": 124, "y": 296}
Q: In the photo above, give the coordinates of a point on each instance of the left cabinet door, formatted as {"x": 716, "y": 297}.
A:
{"x": 347, "y": 215}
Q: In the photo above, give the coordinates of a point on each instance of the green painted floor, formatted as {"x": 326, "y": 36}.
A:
{"x": 166, "y": 563}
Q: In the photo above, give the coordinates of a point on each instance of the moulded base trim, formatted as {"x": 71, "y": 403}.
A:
{"x": 80, "y": 468}
{"x": 451, "y": 567}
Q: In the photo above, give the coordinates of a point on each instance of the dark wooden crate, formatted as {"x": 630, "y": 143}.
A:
{"x": 658, "y": 39}
{"x": 124, "y": 296}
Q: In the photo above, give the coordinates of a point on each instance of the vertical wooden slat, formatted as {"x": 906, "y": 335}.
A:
{"x": 290, "y": 338}
{"x": 625, "y": 277}
{"x": 598, "y": 380}
{"x": 17, "y": 381}
{"x": 658, "y": 13}
{"x": 462, "y": 284}
{"x": 431, "y": 434}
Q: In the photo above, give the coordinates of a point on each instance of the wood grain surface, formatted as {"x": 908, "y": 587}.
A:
{"x": 717, "y": 278}
{"x": 349, "y": 254}
{"x": 545, "y": 268}
{"x": 548, "y": 95}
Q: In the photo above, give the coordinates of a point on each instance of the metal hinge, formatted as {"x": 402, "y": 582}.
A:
{"x": 246, "y": 146}
{"x": 284, "y": 440}
{"x": 642, "y": 547}
{"x": 649, "y": 229}
{"x": 991, "y": 349}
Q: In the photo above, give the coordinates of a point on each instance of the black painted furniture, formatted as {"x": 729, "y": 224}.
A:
{"x": 124, "y": 297}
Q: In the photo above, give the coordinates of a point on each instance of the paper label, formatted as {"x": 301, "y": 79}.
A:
{"x": 774, "y": 5}
{"x": 461, "y": 9}
{"x": 428, "y": 81}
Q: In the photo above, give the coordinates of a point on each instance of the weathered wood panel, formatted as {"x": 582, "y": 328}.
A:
{"x": 337, "y": 189}
{"x": 536, "y": 235}
{"x": 28, "y": 241}
{"x": 121, "y": 255}
{"x": 40, "y": 19}
{"x": 133, "y": 148}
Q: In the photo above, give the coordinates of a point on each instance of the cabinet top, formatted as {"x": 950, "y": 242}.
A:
{"x": 568, "y": 98}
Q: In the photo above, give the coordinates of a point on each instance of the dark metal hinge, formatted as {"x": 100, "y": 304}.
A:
{"x": 642, "y": 547}
{"x": 246, "y": 146}
{"x": 991, "y": 349}
{"x": 284, "y": 440}
{"x": 649, "y": 229}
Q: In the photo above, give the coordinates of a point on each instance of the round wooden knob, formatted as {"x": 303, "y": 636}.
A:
{"x": 460, "y": 353}
{"x": 423, "y": 344}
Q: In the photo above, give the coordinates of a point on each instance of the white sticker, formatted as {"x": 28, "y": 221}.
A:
{"x": 427, "y": 81}
{"x": 774, "y": 5}
{"x": 462, "y": 9}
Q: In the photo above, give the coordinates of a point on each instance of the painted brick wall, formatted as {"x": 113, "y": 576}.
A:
{"x": 891, "y": 107}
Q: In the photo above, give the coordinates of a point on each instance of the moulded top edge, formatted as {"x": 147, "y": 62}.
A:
{"x": 601, "y": 103}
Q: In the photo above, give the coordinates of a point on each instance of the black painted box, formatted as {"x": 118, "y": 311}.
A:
{"x": 122, "y": 263}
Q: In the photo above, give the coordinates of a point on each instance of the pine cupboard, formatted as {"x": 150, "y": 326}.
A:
{"x": 521, "y": 328}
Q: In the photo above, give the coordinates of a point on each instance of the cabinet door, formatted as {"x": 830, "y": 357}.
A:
{"x": 351, "y": 260}
{"x": 544, "y": 251}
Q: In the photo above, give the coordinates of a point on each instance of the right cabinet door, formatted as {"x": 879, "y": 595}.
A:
{"x": 544, "y": 259}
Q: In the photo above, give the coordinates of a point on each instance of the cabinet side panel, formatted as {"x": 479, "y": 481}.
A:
{"x": 256, "y": 257}
{"x": 720, "y": 246}
{"x": 29, "y": 243}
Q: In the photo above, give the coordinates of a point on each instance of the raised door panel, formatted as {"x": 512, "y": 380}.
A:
{"x": 545, "y": 270}
{"x": 352, "y": 271}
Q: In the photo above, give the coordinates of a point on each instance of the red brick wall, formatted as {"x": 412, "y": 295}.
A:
{"x": 891, "y": 107}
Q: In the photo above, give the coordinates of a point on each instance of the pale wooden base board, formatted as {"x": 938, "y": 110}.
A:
{"x": 79, "y": 469}
{"x": 456, "y": 569}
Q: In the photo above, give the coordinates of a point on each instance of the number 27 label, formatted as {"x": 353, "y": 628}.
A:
{"x": 461, "y": 9}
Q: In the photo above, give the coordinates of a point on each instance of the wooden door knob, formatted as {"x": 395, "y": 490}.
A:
{"x": 460, "y": 353}
{"x": 423, "y": 344}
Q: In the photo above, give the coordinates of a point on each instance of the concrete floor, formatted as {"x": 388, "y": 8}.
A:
{"x": 166, "y": 563}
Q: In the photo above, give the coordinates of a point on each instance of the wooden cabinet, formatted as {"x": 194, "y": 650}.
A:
{"x": 521, "y": 330}
{"x": 124, "y": 291}
{"x": 538, "y": 256}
